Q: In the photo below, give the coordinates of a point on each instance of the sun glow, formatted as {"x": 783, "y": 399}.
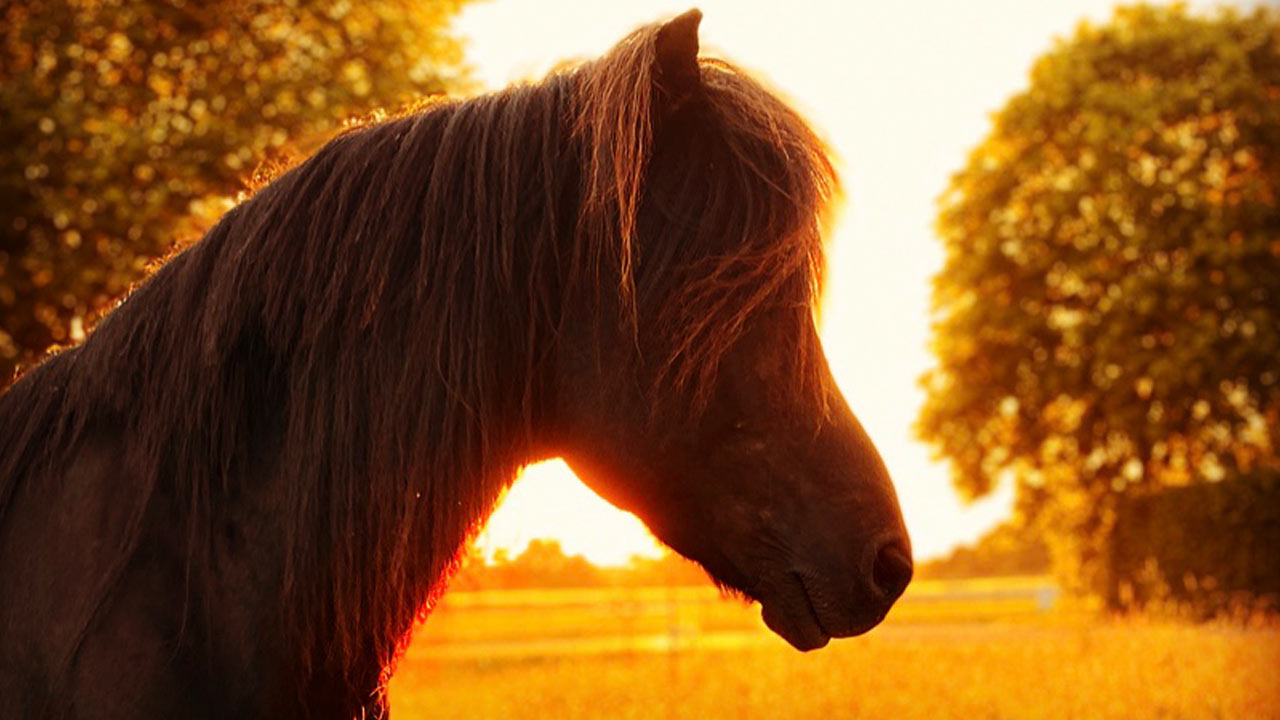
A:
{"x": 901, "y": 91}
{"x": 548, "y": 501}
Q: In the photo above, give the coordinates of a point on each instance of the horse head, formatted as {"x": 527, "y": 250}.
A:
{"x": 710, "y": 412}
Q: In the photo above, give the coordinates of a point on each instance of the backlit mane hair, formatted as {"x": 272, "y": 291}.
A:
{"x": 379, "y": 321}
{"x": 738, "y": 255}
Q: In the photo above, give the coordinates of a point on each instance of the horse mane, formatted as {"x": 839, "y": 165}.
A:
{"x": 379, "y": 321}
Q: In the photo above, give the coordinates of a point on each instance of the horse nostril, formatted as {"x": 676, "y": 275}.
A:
{"x": 892, "y": 569}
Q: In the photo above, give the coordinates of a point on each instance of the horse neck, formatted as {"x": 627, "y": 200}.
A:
{"x": 375, "y": 379}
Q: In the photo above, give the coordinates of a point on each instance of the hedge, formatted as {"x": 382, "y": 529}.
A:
{"x": 1208, "y": 547}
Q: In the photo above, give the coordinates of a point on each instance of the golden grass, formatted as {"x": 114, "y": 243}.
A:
{"x": 920, "y": 664}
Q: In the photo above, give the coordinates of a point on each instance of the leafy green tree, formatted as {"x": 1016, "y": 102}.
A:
{"x": 1108, "y": 317}
{"x": 127, "y": 126}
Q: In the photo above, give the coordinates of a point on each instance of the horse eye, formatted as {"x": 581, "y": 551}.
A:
{"x": 739, "y": 426}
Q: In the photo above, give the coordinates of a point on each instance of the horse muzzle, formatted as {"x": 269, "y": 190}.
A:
{"x": 807, "y": 607}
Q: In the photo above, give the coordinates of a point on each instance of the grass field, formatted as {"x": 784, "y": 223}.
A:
{"x": 971, "y": 650}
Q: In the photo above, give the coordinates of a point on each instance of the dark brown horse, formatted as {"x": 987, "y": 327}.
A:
{"x": 234, "y": 498}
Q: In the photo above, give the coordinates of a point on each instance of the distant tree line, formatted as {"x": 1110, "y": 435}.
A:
{"x": 544, "y": 564}
{"x": 1007, "y": 549}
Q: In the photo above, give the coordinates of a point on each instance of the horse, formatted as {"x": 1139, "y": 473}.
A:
{"x": 236, "y": 496}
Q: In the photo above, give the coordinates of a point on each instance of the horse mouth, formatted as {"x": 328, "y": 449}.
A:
{"x": 789, "y": 611}
{"x": 802, "y": 614}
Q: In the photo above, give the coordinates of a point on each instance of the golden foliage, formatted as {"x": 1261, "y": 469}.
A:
{"x": 1106, "y": 319}
{"x": 127, "y": 126}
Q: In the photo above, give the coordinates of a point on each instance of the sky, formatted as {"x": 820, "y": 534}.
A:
{"x": 901, "y": 91}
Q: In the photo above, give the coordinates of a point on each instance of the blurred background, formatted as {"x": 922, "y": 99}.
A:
{"x": 1054, "y": 301}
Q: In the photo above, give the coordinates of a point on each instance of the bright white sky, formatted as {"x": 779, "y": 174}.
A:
{"x": 902, "y": 90}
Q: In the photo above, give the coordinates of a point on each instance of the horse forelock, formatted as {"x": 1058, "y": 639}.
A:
{"x": 740, "y": 230}
{"x": 379, "y": 319}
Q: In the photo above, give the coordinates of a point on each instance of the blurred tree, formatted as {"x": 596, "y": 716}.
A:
{"x": 1010, "y": 548}
{"x": 1108, "y": 318}
{"x": 542, "y": 564}
{"x": 472, "y": 572}
{"x": 129, "y": 125}
{"x": 668, "y": 569}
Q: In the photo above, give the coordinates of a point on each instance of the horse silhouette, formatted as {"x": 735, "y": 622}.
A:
{"x": 234, "y": 498}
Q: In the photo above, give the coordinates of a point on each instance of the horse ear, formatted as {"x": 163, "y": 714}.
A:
{"x": 676, "y": 57}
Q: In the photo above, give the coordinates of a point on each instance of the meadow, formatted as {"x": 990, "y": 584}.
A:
{"x": 978, "y": 649}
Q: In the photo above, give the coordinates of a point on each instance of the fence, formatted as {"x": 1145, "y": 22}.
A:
{"x": 511, "y": 624}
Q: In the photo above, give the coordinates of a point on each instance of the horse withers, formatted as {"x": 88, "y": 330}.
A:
{"x": 234, "y": 498}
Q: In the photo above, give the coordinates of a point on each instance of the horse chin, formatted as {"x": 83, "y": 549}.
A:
{"x": 800, "y": 611}
{"x": 788, "y": 611}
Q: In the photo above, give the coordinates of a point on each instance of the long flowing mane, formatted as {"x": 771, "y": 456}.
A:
{"x": 377, "y": 323}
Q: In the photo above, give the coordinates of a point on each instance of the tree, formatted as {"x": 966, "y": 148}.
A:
{"x": 1010, "y": 548}
{"x": 542, "y": 564}
{"x": 1108, "y": 317}
{"x": 667, "y": 570}
{"x": 128, "y": 126}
